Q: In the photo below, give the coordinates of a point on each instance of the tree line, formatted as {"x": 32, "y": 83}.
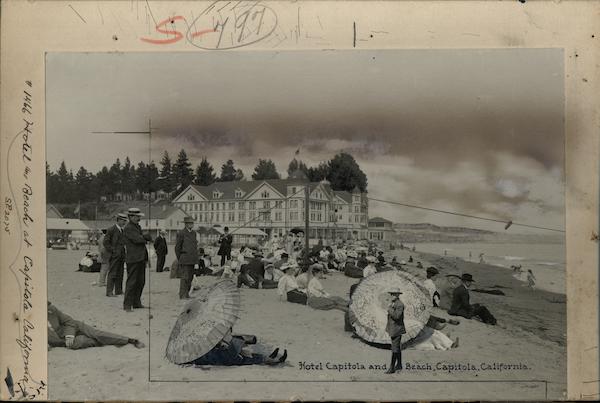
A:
{"x": 135, "y": 182}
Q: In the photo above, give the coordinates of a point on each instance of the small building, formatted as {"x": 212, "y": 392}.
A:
{"x": 66, "y": 229}
{"x": 380, "y": 230}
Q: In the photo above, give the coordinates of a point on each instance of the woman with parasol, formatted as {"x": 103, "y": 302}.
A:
{"x": 318, "y": 298}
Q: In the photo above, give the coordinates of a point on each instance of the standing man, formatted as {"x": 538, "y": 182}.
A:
{"x": 104, "y": 260}
{"x": 160, "y": 246}
{"x": 395, "y": 328}
{"x": 114, "y": 244}
{"x": 225, "y": 249}
{"x": 186, "y": 250}
{"x": 136, "y": 257}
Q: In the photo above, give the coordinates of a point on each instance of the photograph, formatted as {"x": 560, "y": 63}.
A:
{"x": 386, "y": 216}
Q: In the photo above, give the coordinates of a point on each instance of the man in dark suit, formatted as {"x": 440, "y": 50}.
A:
{"x": 114, "y": 244}
{"x": 160, "y": 246}
{"x": 395, "y": 328}
{"x": 252, "y": 273}
{"x": 186, "y": 250}
{"x": 225, "y": 248}
{"x": 461, "y": 305}
{"x": 64, "y": 331}
{"x": 136, "y": 257}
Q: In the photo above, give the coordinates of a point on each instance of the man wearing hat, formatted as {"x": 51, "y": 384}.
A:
{"x": 395, "y": 328}
{"x": 461, "y": 305}
{"x": 136, "y": 257}
{"x": 252, "y": 273}
{"x": 160, "y": 247}
{"x": 114, "y": 244}
{"x": 186, "y": 250}
{"x": 225, "y": 248}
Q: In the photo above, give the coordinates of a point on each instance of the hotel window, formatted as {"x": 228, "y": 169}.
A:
{"x": 212, "y": 217}
{"x": 238, "y": 193}
{"x": 212, "y": 206}
{"x": 278, "y": 216}
{"x": 356, "y": 209}
{"x": 218, "y": 205}
{"x": 293, "y": 190}
{"x": 231, "y": 216}
{"x": 241, "y": 216}
{"x": 293, "y": 215}
{"x": 264, "y": 194}
{"x": 266, "y": 204}
{"x": 191, "y": 197}
{"x": 252, "y": 205}
{"x": 223, "y": 206}
{"x": 279, "y": 204}
{"x": 356, "y": 218}
{"x": 242, "y": 205}
{"x": 231, "y": 205}
{"x": 252, "y": 215}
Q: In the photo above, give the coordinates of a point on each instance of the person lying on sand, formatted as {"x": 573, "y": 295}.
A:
{"x": 234, "y": 351}
{"x": 461, "y": 305}
{"x": 64, "y": 331}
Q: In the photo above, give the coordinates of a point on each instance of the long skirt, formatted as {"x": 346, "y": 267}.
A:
{"x": 297, "y": 297}
{"x": 327, "y": 303}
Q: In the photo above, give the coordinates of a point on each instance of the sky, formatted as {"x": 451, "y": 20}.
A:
{"x": 479, "y": 132}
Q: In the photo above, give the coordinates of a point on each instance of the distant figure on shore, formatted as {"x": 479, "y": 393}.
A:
{"x": 64, "y": 331}
{"x": 461, "y": 305}
{"x": 530, "y": 279}
{"x": 161, "y": 249}
{"x": 410, "y": 259}
{"x": 414, "y": 248}
{"x": 470, "y": 255}
{"x": 445, "y": 252}
{"x": 481, "y": 259}
{"x": 104, "y": 260}
{"x": 395, "y": 328}
{"x": 89, "y": 263}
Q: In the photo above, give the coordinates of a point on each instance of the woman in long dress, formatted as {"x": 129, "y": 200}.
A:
{"x": 288, "y": 288}
{"x": 318, "y": 298}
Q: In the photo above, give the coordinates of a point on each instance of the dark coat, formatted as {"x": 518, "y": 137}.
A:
{"x": 225, "y": 248}
{"x": 114, "y": 243}
{"x": 135, "y": 243}
{"x": 186, "y": 247}
{"x": 61, "y": 325}
{"x": 160, "y": 246}
{"x": 395, "y": 323}
{"x": 460, "y": 302}
{"x": 255, "y": 268}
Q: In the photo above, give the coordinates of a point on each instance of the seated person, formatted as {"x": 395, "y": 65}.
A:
{"x": 252, "y": 273}
{"x": 288, "y": 288}
{"x": 64, "y": 331}
{"x": 380, "y": 258}
{"x": 89, "y": 263}
{"x": 351, "y": 269}
{"x": 370, "y": 268}
{"x": 272, "y": 276}
{"x": 419, "y": 265}
{"x": 231, "y": 350}
{"x": 431, "y": 287}
{"x": 395, "y": 262}
{"x": 318, "y": 298}
{"x": 362, "y": 260}
{"x": 461, "y": 305}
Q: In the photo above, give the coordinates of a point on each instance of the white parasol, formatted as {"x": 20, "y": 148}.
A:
{"x": 370, "y": 300}
{"x": 204, "y": 322}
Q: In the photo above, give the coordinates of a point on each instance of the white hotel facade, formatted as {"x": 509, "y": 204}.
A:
{"x": 277, "y": 205}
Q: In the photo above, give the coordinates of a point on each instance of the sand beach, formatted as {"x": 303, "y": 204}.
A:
{"x": 523, "y": 357}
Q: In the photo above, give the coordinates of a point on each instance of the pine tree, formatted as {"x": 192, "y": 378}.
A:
{"x": 229, "y": 172}
{"x": 204, "y": 173}
{"x": 345, "y": 173}
{"x": 296, "y": 165}
{"x": 167, "y": 182}
{"x": 265, "y": 169}
{"x": 182, "y": 171}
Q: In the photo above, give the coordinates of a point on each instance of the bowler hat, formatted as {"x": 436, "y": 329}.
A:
{"x": 467, "y": 277}
{"x": 135, "y": 211}
{"x": 121, "y": 216}
{"x": 188, "y": 219}
{"x": 432, "y": 270}
{"x": 395, "y": 291}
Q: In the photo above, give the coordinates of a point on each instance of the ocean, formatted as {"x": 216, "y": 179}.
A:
{"x": 547, "y": 261}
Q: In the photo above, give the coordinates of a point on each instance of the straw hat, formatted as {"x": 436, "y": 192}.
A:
{"x": 121, "y": 216}
{"x": 135, "y": 212}
{"x": 395, "y": 291}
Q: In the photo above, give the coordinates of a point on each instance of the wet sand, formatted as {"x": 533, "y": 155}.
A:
{"x": 530, "y": 335}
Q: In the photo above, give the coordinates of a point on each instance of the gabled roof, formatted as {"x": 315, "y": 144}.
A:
{"x": 52, "y": 211}
{"x": 345, "y": 196}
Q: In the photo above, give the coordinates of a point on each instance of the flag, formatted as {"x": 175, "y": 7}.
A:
{"x": 508, "y": 224}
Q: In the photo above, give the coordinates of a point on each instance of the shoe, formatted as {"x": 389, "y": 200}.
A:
{"x": 283, "y": 357}
{"x": 128, "y": 309}
{"x": 139, "y": 307}
{"x": 186, "y": 297}
{"x": 454, "y": 322}
{"x": 390, "y": 371}
{"x": 138, "y": 344}
{"x": 274, "y": 353}
{"x": 455, "y": 343}
{"x": 110, "y": 295}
